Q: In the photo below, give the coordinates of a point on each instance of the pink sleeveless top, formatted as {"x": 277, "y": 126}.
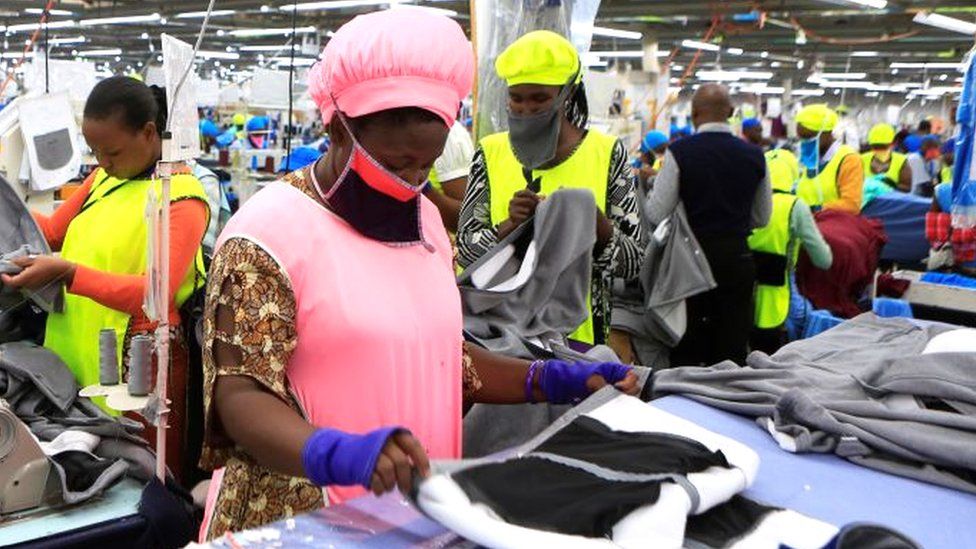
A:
{"x": 379, "y": 326}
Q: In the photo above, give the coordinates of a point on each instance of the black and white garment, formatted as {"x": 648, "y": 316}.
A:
{"x": 614, "y": 472}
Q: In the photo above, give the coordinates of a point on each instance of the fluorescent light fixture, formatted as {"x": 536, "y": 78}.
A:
{"x": 617, "y": 33}
{"x": 696, "y": 45}
{"x": 35, "y": 26}
{"x": 271, "y": 32}
{"x": 337, "y": 4}
{"x": 864, "y": 54}
{"x": 71, "y": 40}
{"x": 876, "y": 4}
{"x": 282, "y": 47}
{"x": 943, "y": 77}
{"x": 100, "y": 53}
{"x": 299, "y": 61}
{"x": 596, "y": 63}
{"x": 428, "y": 9}
{"x": 847, "y": 85}
{"x": 16, "y": 55}
{"x": 39, "y": 11}
{"x": 945, "y": 22}
{"x": 218, "y": 55}
{"x": 732, "y": 76}
{"x": 807, "y": 92}
{"x": 871, "y": 94}
{"x": 735, "y": 51}
{"x": 763, "y": 90}
{"x": 764, "y": 54}
{"x": 202, "y": 14}
{"x": 628, "y": 54}
{"x": 775, "y": 64}
{"x": 149, "y": 18}
{"x": 937, "y": 90}
{"x": 957, "y": 66}
{"x": 840, "y": 75}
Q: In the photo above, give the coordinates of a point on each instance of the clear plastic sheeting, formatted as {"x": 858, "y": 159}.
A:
{"x": 184, "y": 120}
{"x": 498, "y": 23}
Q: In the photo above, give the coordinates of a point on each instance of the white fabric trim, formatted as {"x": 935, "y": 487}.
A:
{"x": 788, "y": 528}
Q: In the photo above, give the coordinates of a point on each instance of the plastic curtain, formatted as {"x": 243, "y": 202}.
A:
{"x": 495, "y": 31}
{"x": 964, "y": 174}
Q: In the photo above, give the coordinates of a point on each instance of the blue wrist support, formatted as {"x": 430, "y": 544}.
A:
{"x": 565, "y": 382}
{"x": 332, "y": 457}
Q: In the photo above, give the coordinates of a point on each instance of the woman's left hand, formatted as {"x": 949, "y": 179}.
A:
{"x": 568, "y": 383}
{"x": 40, "y": 271}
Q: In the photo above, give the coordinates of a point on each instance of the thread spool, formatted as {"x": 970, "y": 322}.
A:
{"x": 108, "y": 357}
{"x": 140, "y": 365}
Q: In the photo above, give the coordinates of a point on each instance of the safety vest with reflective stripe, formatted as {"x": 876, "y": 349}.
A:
{"x": 110, "y": 235}
{"x": 773, "y": 302}
{"x": 587, "y": 168}
{"x": 894, "y": 167}
{"x": 822, "y": 188}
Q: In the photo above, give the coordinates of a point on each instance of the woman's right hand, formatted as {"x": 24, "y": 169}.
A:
{"x": 401, "y": 455}
{"x": 522, "y": 206}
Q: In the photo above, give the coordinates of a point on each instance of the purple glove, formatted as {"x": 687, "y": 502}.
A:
{"x": 565, "y": 382}
{"x": 332, "y": 457}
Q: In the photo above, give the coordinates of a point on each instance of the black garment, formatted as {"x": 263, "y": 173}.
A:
{"x": 719, "y": 176}
{"x": 720, "y": 321}
{"x": 591, "y": 494}
{"x": 768, "y": 340}
{"x": 725, "y": 524}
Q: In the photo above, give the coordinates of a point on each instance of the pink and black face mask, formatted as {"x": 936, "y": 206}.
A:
{"x": 375, "y": 201}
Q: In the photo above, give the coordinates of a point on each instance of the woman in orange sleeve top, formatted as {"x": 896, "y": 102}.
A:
{"x": 101, "y": 233}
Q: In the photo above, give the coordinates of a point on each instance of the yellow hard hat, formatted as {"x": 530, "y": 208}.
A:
{"x": 817, "y": 118}
{"x": 539, "y": 57}
{"x": 881, "y": 134}
{"x": 239, "y": 119}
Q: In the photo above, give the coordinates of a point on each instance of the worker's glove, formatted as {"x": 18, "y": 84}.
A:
{"x": 565, "y": 382}
{"x": 332, "y": 457}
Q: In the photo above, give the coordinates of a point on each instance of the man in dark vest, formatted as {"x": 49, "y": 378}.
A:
{"x": 722, "y": 182}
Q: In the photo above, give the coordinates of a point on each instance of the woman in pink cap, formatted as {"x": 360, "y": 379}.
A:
{"x": 334, "y": 361}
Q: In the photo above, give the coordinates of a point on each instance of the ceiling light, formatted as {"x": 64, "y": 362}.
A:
{"x": 637, "y": 54}
{"x": 202, "y": 14}
{"x": 800, "y": 64}
{"x": 617, "y": 33}
{"x": 337, "y": 4}
{"x": 35, "y": 26}
{"x": 299, "y": 61}
{"x": 944, "y": 22}
{"x": 265, "y": 8}
{"x": 96, "y": 53}
{"x": 16, "y": 55}
{"x": 957, "y": 66}
{"x": 696, "y": 45}
{"x": 735, "y": 51}
{"x": 594, "y": 62}
{"x": 221, "y": 32}
{"x": 943, "y": 77}
{"x": 39, "y": 11}
{"x": 732, "y": 76}
{"x": 894, "y": 71}
{"x": 117, "y": 59}
{"x": 864, "y": 54}
{"x": 264, "y": 48}
{"x": 218, "y": 55}
{"x": 775, "y": 64}
{"x": 876, "y": 4}
{"x": 271, "y": 32}
{"x": 871, "y": 94}
{"x": 150, "y": 18}
{"x": 677, "y": 67}
{"x": 840, "y": 75}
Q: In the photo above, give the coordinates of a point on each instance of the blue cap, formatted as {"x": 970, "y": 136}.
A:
{"x": 913, "y": 143}
{"x": 208, "y": 128}
{"x": 653, "y": 140}
{"x": 299, "y": 158}
{"x": 258, "y": 124}
{"x": 949, "y": 145}
{"x": 751, "y": 123}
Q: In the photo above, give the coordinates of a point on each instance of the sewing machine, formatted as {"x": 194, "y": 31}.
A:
{"x": 27, "y": 479}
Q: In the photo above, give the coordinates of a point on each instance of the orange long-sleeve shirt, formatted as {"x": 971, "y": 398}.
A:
{"x": 125, "y": 292}
{"x": 850, "y": 186}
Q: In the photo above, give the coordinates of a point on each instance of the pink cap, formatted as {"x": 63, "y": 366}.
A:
{"x": 402, "y": 57}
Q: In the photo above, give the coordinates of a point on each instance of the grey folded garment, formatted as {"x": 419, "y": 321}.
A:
{"x": 533, "y": 284}
{"x": 19, "y": 236}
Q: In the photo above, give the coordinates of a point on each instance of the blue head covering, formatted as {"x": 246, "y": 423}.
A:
{"x": 913, "y": 143}
{"x": 299, "y": 158}
{"x": 750, "y": 123}
{"x": 653, "y": 140}
{"x": 258, "y": 124}
{"x": 208, "y": 128}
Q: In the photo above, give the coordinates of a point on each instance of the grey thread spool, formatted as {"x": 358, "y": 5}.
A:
{"x": 108, "y": 357}
{"x": 140, "y": 365}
